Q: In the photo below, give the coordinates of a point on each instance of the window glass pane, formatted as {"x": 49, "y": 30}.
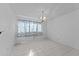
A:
{"x": 21, "y": 27}
{"x": 31, "y": 27}
{"x": 27, "y": 26}
{"x": 34, "y": 27}
{"x": 39, "y": 28}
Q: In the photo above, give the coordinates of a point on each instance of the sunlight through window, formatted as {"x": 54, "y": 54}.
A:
{"x": 26, "y": 27}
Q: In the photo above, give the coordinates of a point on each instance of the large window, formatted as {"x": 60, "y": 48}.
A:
{"x": 29, "y": 28}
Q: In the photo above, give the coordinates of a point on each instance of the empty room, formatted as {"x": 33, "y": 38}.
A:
{"x": 39, "y": 29}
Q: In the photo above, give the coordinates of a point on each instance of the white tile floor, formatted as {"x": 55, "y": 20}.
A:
{"x": 44, "y": 48}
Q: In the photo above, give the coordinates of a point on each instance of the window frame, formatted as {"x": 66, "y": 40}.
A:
{"x": 29, "y": 34}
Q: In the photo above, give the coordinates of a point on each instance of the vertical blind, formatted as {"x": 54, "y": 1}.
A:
{"x": 29, "y": 28}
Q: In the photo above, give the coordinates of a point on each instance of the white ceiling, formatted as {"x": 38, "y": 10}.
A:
{"x": 53, "y": 10}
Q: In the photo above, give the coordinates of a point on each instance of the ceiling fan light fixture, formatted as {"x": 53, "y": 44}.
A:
{"x": 44, "y": 18}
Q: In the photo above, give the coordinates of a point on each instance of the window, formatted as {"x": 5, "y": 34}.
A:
{"x": 29, "y": 28}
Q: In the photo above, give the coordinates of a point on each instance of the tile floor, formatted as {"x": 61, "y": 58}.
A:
{"x": 43, "y": 48}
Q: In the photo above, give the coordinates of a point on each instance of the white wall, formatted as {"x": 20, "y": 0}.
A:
{"x": 7, "y": 25}
{"x": 65, "y": 29}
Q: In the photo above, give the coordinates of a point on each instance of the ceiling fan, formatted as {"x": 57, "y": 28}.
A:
{"x": 43, "y": 18}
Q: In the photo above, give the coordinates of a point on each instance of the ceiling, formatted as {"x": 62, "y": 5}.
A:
{"x": 52, "y": 10}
